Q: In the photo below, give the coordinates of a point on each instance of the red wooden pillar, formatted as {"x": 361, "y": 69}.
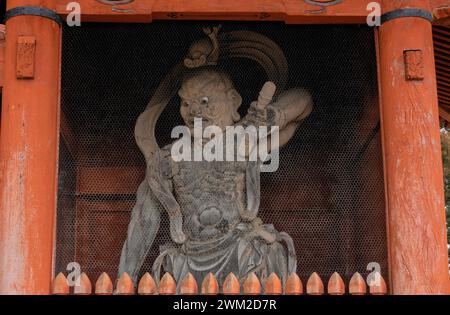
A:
{"x": 28, "y": 151}
{"x": 412, "y": 153}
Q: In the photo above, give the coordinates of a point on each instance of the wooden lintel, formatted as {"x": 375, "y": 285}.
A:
{"x": 289, "y": 11}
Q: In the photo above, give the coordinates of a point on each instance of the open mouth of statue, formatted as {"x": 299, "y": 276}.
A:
{"x": 203, "y": 120}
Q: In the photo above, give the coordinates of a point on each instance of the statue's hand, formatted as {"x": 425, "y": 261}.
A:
{"x": 276, "y": 117}
{"x": 291, "y": 106}
{"x": 266, "y": 95}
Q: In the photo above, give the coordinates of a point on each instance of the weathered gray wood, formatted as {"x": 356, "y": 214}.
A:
{"x": 213, "y": 206}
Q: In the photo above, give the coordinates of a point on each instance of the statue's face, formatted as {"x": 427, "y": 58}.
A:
{"x": 211, "y": 97}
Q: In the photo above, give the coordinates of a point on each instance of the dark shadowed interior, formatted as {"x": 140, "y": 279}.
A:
{"x": 328, "y": 192}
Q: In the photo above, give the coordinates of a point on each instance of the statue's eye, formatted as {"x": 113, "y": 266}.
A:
{"x": 204, "y": 100}
{"x": 184, "y": 103}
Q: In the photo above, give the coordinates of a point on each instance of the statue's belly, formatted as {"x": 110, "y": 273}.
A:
{"x": 211, "y": 197}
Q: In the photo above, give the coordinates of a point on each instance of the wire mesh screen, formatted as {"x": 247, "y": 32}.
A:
{"x": 327, "y": 194}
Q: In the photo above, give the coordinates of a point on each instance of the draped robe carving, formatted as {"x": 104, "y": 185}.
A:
{"x": 213, "y": 206}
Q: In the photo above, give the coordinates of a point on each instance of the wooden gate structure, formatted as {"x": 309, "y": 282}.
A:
{"x": 30, "y": 59}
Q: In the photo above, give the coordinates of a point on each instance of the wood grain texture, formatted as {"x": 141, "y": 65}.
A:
{"x": 109, "y": 180}
{"x": 84, "y": 287}
{"x": 413, "y": 166}
{"x": 25, "y": 57}
{"x": 290, "y": 11}
{"x": 293, "y": 285}
{"x": 147, "y": 285}
{"x": 2, "y": 54}
{"x": 29, "y": 149}
{"x": 60, "y": 285}
{"x": 104, "y": 285}
{"x": 314, "y": 286}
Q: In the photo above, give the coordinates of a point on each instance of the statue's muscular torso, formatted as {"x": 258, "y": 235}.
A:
{"x": 211, "y": 194}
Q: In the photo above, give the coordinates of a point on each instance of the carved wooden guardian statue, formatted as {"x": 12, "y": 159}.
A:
{"x": 213, "y": 206}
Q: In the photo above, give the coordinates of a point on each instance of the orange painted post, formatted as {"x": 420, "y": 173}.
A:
{"x": 104, "y": 285}
{"x": 293, "y": 285}
{"x": 231, "y": 285}
{"x": 412, "y": 154}
{"x": 125, "y": 285}
{"x": 28, "y": 153}
{"x": 273, "y": 285}
{"x": 189, "y": 285}
{"x": 2, "y": 54}
{"x": 60, "y": 285}
{"x": 84, "y": 287}
{"x": 251, "y": 285}
{"x": 357, "y": 285}
{"x": 210, "y": 286}
{"x": 336, "y": 285}
{"x": 147, "y": 285}
{"x": 314, "y": 286}
{"x": 167, "y": 285}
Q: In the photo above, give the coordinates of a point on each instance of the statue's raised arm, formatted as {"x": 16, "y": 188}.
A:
{"x": 286, "y": 112}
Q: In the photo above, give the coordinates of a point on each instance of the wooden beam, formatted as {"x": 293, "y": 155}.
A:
{"x": 94, "y": 11}
{"x": 442, "y": 30}
{"x": 443, "y": 92}
{"x": 243, "y": 10}
{"x": 346, "y": 12}
{"x": 289, "y": 11}
{"x": 438, "y": 3}
{"x": 442, "y": 97}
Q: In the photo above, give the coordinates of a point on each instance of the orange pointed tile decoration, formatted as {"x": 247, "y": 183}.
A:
{"x": 293, "y": 285}
{"x": 357, "y": 285}
{"x": 189, "y": 285}
{"x": 378, "y": 285}
{"x": 210, "y": 286}
{"x": 251, "y": 284}
{"x": 336, "y": 285}
{"x": 167, "y": 285}
{"x": 314, "y": 286}
{"x": 147, "y": 285}
{"x": 125, "y": 285}
{"x": 273, "y": 285}
{"x": 104, "y": 285}
{"x": 231, "y": 285}
{"x": 84, "y": 286}
{"x": 60, "y": 285}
